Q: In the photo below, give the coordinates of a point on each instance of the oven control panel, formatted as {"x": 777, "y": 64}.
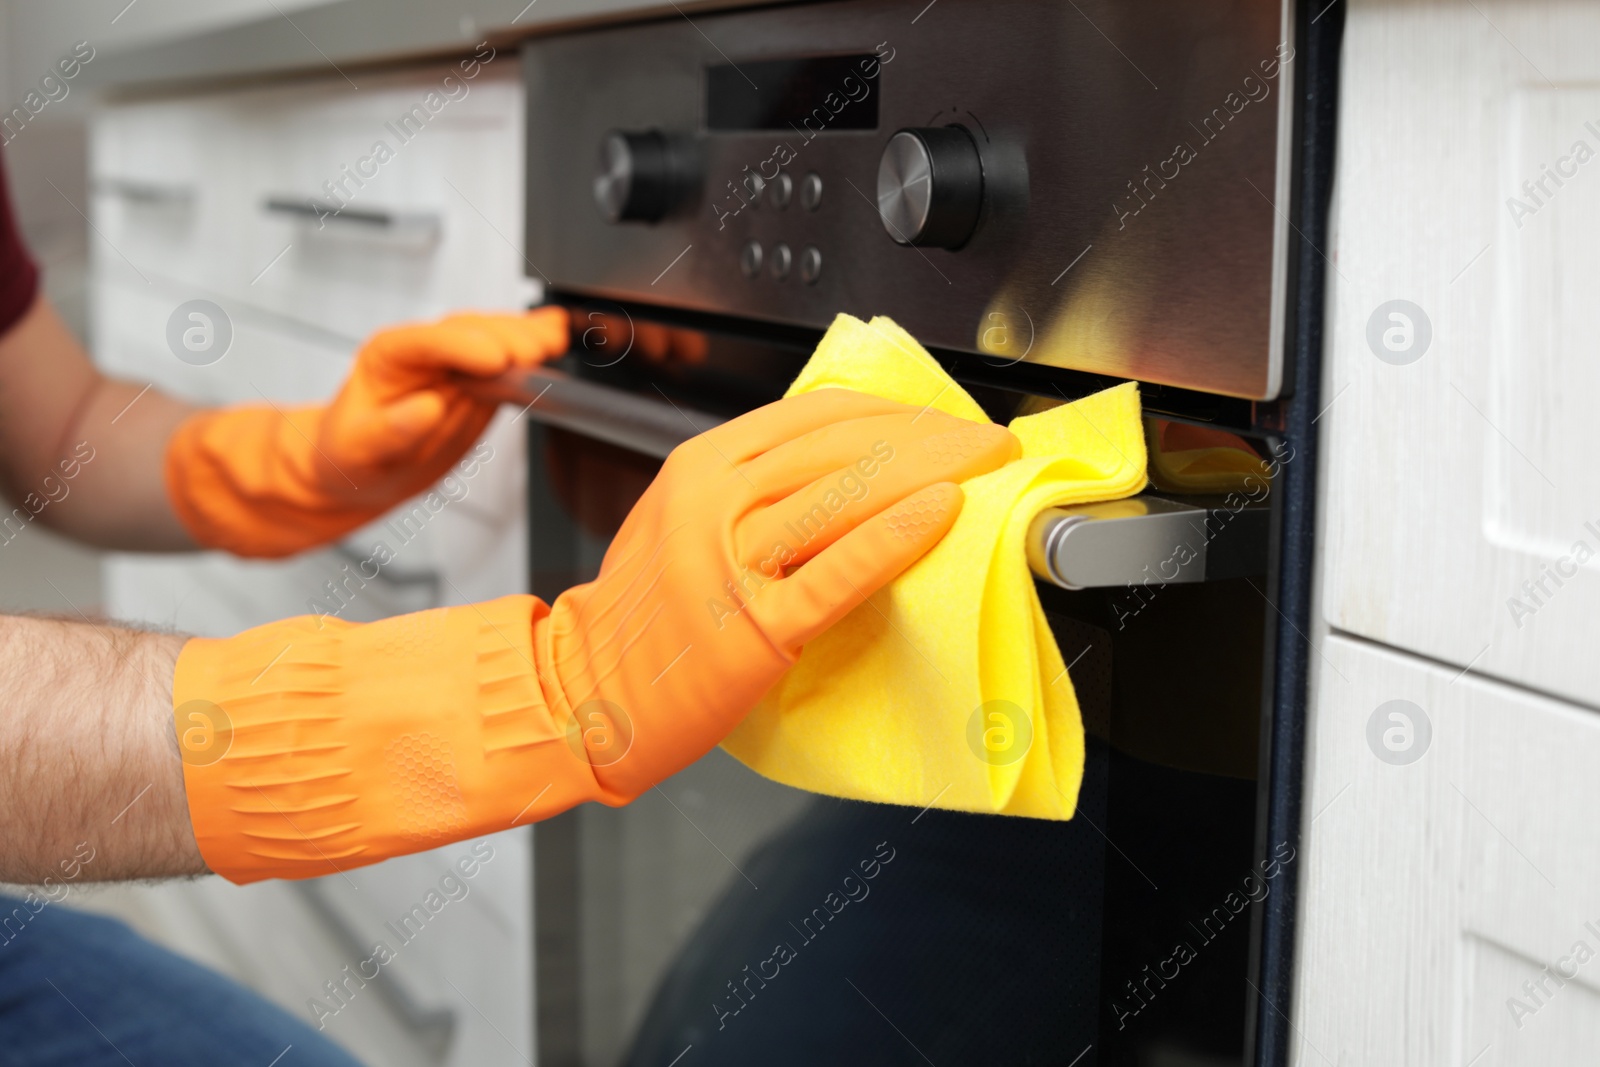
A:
{"x": 995, "y": 176}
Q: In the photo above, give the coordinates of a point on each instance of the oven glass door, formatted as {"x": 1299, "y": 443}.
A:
{"x": 725, "y": 919}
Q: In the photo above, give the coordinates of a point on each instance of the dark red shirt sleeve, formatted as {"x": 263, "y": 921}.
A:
{"x": 19, "y": 277}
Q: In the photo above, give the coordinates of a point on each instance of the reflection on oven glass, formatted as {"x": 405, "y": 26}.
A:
{"x": 877, "y": 934}
{"x": 1185, "y": 458}
{"x": 884, "y": 935}
{"x": 596, "y": 483}
{"x": 604, "y": 336}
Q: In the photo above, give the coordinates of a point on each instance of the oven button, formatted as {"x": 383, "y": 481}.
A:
{"x": 811, "y": 191}
{"x": 782, "y": 191}
{"x": 641, "y": 175}
{"x": 810, "y": 264}
{"x": 930, "y": 187}
{"x": 750, "y": 259}
{"x": 782, "y": 259}
{"x": 753, "y": 185}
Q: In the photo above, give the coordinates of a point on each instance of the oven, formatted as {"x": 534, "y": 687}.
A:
{"x": 1052, "y": 198}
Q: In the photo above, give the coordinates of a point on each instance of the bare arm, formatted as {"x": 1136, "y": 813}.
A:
{"x": 91, "y": 765}
{"x": 80, "y": 452}
{"x": 90, "y": 752}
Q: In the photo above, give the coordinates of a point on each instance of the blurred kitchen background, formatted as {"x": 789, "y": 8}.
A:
{"x": 49, "y": 170}
{"x": 136, "y": 204}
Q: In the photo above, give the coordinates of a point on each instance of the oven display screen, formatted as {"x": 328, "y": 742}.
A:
{"x": 807, "y": 95}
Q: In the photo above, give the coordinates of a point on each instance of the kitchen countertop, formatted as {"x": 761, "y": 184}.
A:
{"x": 357, "y": 33}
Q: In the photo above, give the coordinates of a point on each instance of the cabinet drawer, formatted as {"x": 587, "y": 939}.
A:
{"x": 166, "y": 180}
{"x": 269, "y": 355}
{"x": 346, "y": 211}
{"x": 182, "y": 192}
{"x": 1448, "y": 859}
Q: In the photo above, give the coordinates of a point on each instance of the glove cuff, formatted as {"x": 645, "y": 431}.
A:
{"x": 312, "y": 745}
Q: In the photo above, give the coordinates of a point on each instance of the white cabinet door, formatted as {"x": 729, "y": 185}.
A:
{"x": 1463, "y": 492}
{"x": 346, "y": 211}
{"x": 163, "y": 177}
{"x": 426, "y": 171}
{"x": 457, "y": 990}
{"x": 180, "y": 208}
{"x": 1449, "y": 861}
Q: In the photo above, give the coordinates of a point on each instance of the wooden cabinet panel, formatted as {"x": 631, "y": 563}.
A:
{"x": 345, "y": 211}
{"x": 1463, "y": 501}
{"x": 180, "y": 204}
{"x": 1433, "y": 889}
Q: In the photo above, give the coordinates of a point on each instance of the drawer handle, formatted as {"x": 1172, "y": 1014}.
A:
{"x": 322, "y": 212}
{"x": 1147, "y": 539}
{"x": 139, "y": 191}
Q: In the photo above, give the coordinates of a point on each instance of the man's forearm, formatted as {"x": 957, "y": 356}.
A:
{"x": 90, "y": 754}
{"x": 118, "y": 499}
{"x": 80, "y": 452}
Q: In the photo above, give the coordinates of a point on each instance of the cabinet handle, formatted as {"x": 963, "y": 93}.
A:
{"x": 140, "y": 191}
{"x": 1147, "y": 539}
{"x": 421, "y": 223}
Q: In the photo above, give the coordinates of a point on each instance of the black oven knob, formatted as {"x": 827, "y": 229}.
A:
{"x": 641, "y": 176}
{"x": 930, "y": 187}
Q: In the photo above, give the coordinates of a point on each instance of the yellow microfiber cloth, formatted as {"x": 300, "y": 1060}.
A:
{"x": 946, "y": 689}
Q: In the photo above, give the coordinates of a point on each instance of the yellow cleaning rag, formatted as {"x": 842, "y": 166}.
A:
{"x": 946, "y": 689}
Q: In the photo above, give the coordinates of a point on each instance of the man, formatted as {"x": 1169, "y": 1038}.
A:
{"x": 312, "y": 746}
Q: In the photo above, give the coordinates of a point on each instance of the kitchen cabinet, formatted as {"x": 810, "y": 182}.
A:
{"x": 1445, "y": 913}
{"x": 182, "y": 185}
{"x": 329, "y": 208}
{"x": 1462, "y": 508}
{"x": 1446, "y": 867}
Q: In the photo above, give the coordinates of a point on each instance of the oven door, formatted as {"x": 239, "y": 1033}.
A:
{"x": 723, "y": 918}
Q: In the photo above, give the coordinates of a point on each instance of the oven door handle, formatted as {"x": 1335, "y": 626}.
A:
{"x": 629, "y": 420}
{"x": 1147, "y": 540}
{"x": 1144, "y": 540}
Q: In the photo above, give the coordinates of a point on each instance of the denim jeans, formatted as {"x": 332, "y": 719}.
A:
{"x": 80, "y": 989}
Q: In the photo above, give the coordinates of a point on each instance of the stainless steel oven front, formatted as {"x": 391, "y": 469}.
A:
{"x": 1083, "y": 185}
{"x": 1052, "y": 198}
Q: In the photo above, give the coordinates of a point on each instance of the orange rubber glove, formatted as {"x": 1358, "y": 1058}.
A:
{"x": 270, "y": 480}
{"x": 312, "y": 746}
